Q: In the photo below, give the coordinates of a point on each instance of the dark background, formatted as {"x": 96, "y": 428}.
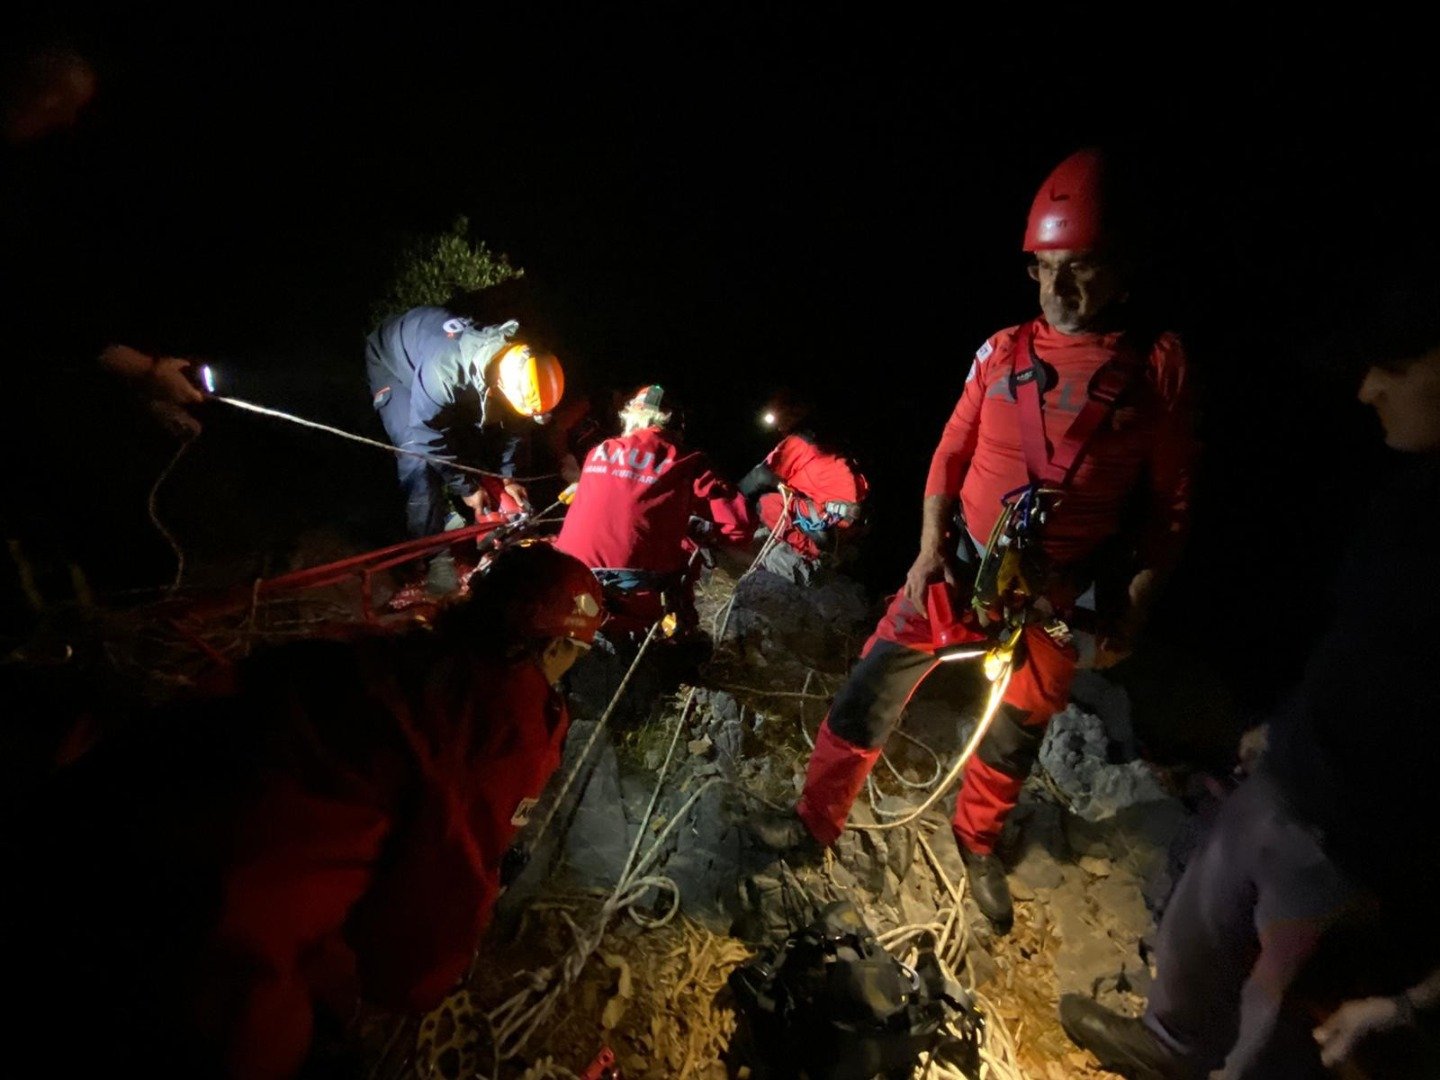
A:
{"x": 730, "y": 199}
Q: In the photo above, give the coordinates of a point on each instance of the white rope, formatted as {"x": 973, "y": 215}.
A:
{"x": 515, "y": 1020}
{"x": 997, "y": 1049}
{"x": 277, "y": 414}
{"x": 150, "y": 505}
{"x": 997, "y": 691}
{"x": 594, "y": 735}
{"x": 655, "y": 795}
{"x": 781, "y": 524}
{"x": 873, "y": 792}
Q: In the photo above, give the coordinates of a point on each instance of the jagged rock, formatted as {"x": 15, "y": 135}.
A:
{"x": 729, "y": 740}
{"x": 1120, "y": 907}
{"x": 1037, "y": 869}
{"x": 1078, "y": 755}
{"x": 917, "y": 901}
{"x": 1087, "y": 837}
{"x": 597, "y": 839}
{"x": 1083, "y": 963}
{"x": 1069, "y": 914}
{"x": 1093, "y": 864}
{"x": 1098, "y": 695}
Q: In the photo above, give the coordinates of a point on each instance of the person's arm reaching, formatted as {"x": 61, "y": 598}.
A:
{"x": 948, "y": 466}
{"x": 1358, "y": 1019}
{"x": 1170, "y": 478}
{"x": 164, "y": 381}
{"x": 719, "y": 501}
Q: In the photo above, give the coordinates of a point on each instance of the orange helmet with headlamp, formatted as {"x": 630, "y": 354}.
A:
{"x": 531, "y": 380}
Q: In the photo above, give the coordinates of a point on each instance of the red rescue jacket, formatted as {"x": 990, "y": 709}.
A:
{"x": 828, "y": 491}
{"x": 1149, "y": 441}
{"x": 633, "y": 505}
{"x": 336, "y": 824}
{"x": 391, "y": 869}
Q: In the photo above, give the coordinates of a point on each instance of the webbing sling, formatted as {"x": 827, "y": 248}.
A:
{"x": 1107, "y": 386}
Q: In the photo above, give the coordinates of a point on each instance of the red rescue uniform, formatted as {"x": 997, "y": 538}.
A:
{"x": 335, "y": 827}
{"x": 828, "y": 491}
{"x": 632, "y": 511}
{"x": 633, "y": 505}
{"x": 1148, "y": 442}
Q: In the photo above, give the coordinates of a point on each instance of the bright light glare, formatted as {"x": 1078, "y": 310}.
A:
{"x": 207, "y": 378}
{"x": 768, "y": 419}
{"x": 967, "y": 654}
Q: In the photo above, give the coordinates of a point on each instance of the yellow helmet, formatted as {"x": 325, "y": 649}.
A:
{"x": 532, "y": 381}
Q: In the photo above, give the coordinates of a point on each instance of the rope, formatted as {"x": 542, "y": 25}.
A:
{"x": 514, "y": 1021}
{"x": 150, "y": 505}
{"x": 997, "y": 691}
{"x": 986, "y": 719}
{"x": 594, "y": 735}
{"x": 781, "y": 524}
{"x": 248, "y": 406}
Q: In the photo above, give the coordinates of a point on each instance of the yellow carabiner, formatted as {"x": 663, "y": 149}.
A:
{"x": 1002, "y": 655}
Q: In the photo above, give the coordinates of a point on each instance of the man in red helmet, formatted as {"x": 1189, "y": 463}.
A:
{"x": 641, "y": 498}
{"x": 1060, "y": 422}
{"x": 807, "y": 489}
{"x": 334, "y": 826}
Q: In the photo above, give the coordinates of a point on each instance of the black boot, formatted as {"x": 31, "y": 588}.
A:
{"x": 784, "y": 833}
{"x": 988, "y": 886}
{"x": 1122, "y": 1044}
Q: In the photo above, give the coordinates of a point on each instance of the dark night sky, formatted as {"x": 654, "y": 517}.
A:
{"x": 727, "y": 199}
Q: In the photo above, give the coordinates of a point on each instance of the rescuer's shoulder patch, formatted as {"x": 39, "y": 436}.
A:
{"x": 382, "y": 396}
{"x": 983, "y": 353}
{"x": 456, "y": 325}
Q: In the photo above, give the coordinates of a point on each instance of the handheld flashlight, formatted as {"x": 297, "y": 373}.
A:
{"x": 207, "y": 378}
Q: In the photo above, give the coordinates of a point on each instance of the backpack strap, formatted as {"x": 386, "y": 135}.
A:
{"x": 1107, "y": 387}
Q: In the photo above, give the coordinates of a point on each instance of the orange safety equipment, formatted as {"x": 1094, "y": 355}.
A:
{"x": 544, "y": 593}
{"x": 1068, "y": 210}
{"x": 532, "y": 381}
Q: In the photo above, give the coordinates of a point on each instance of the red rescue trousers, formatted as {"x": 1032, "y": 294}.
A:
{"x": 895, "y": 659}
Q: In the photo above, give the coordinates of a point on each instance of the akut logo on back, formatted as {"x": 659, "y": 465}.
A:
{"x": 623, "y": 464}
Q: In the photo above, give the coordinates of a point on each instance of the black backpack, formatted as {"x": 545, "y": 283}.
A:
{"x": 831, "y": 1004}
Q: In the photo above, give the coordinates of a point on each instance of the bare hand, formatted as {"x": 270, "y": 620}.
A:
{"x": 928, "y": 568}
{"x": 519, "y": 494}
{"x": 169, "y": 381}
{"x": 1117, "y": 642}
{"x": 478, "y": 501}
{"x": 1111, "y": 648}
{"x": 1351, "y": 1024}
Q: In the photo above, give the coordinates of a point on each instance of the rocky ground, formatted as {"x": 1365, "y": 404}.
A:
{"x": 644, "y": 891}
{"x": 577, "y": 962}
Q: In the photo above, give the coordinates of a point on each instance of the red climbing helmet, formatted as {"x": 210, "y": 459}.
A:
{"x": 1068, "y": 209}
{"x": 542, "y": 593}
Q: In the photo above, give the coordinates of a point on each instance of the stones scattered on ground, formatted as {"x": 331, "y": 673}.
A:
{"x": 1088, "y": 851}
